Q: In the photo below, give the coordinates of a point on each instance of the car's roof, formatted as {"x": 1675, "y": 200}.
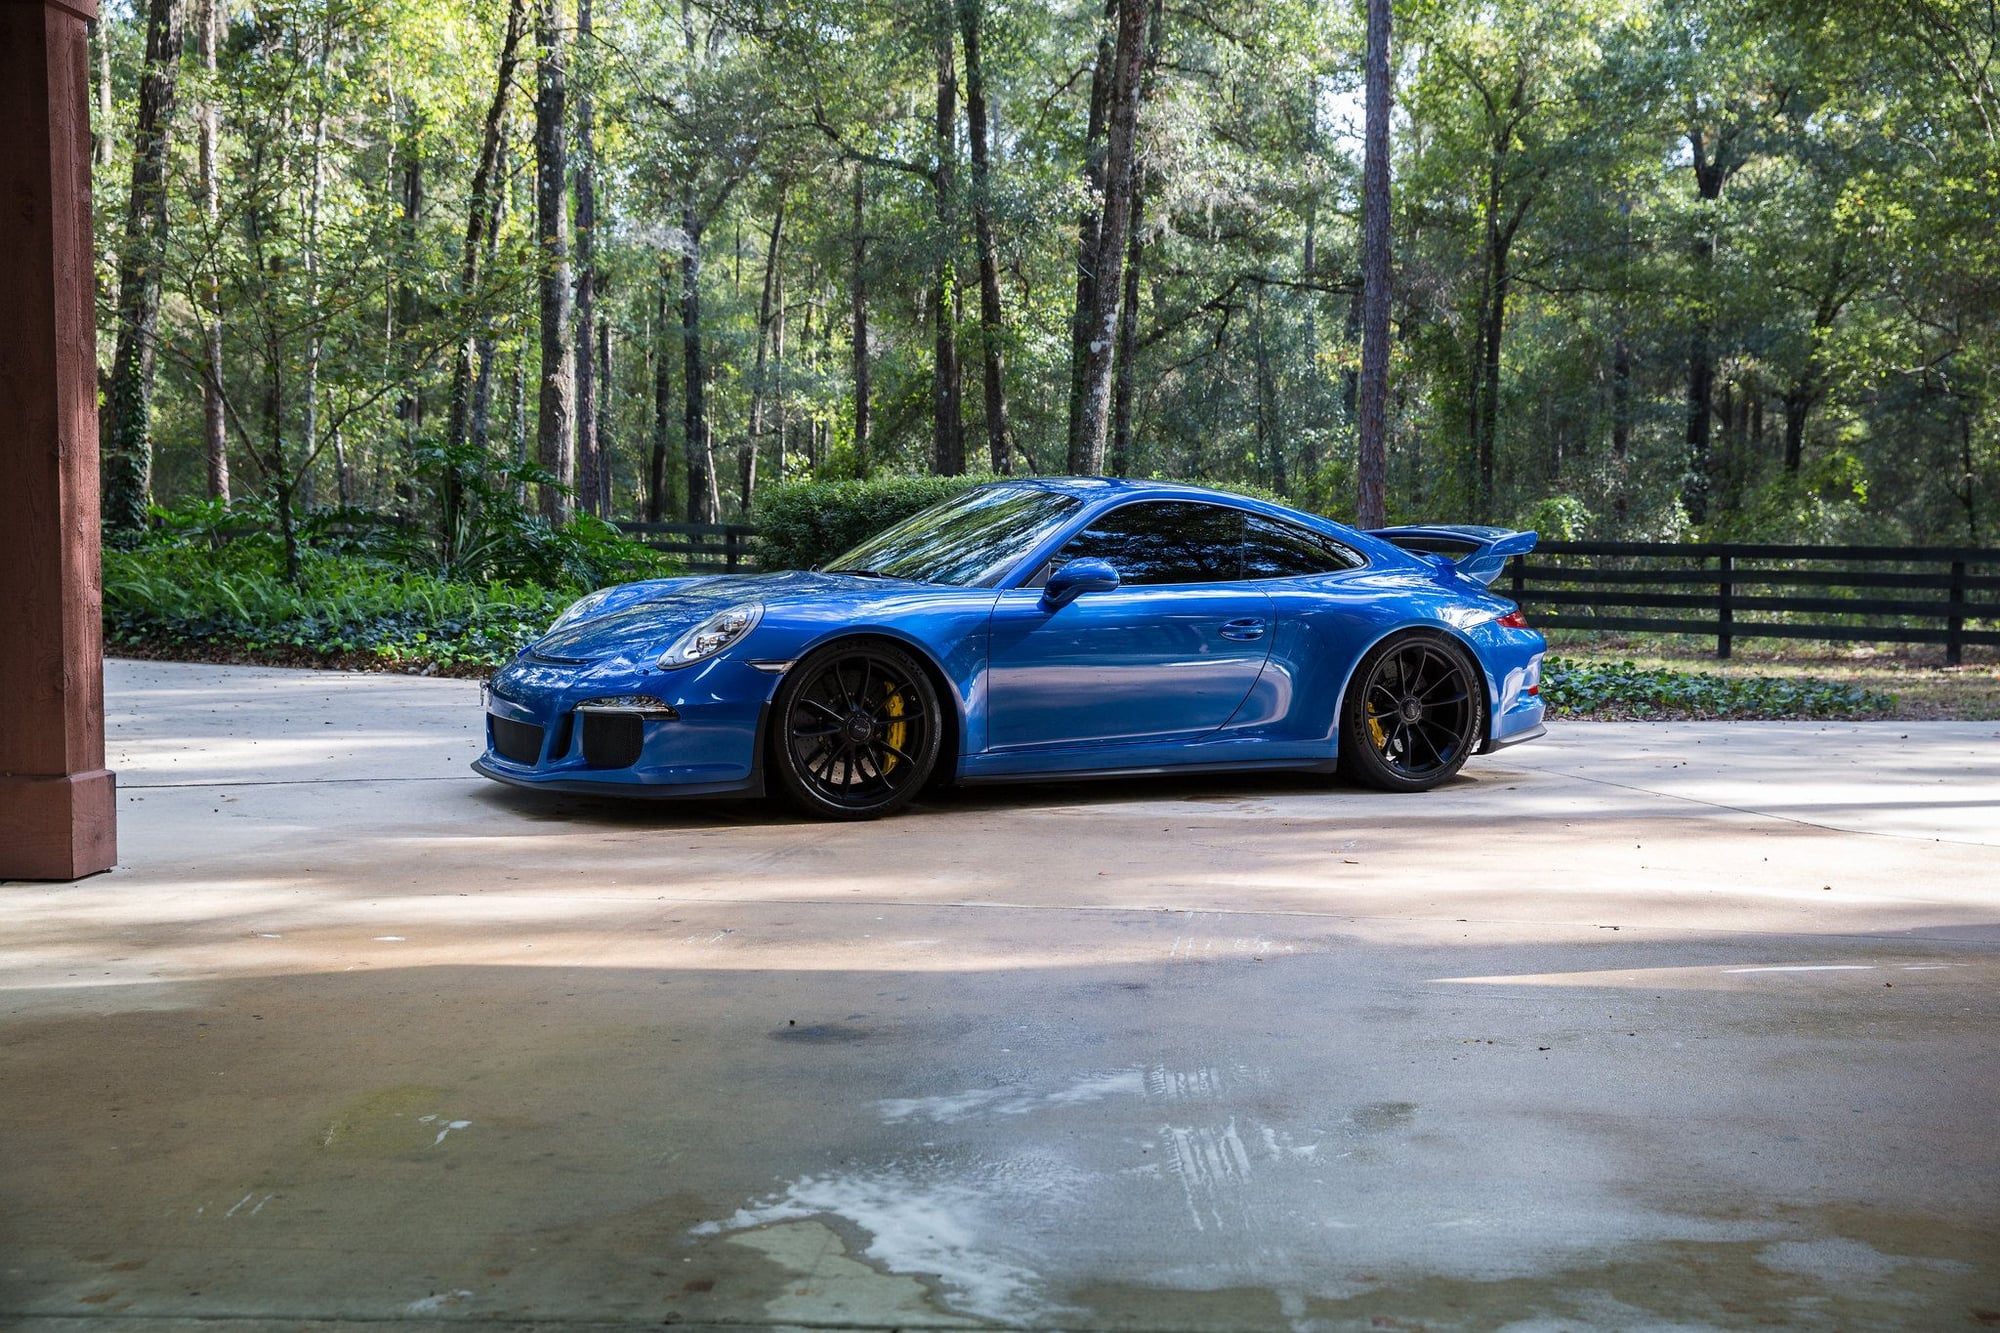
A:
{"x": 1093, "y": 490}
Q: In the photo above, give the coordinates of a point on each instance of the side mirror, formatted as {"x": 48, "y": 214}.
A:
{"x": 1076, "y": 578}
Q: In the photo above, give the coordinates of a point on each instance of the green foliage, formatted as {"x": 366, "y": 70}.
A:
{"x": 1624, "y": 690}
{"x": 236, "y": 599}
{"x": 803, "y": 524}
{"x": 212, "y": 576}
{"x": 1559, "y": 518}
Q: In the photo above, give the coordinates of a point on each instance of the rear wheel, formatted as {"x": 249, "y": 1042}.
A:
{"x": 858, "y": 730}
{"x": 1411, "y": 717}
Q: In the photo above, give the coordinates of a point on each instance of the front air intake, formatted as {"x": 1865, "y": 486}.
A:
{"x": 516, "y": 742}
{"x": 611, "y": 740}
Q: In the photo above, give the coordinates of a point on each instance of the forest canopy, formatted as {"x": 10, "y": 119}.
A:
{"x": 1662, "y": 268}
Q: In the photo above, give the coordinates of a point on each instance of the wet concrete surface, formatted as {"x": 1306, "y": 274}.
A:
{"x": 1639, "y": 1026}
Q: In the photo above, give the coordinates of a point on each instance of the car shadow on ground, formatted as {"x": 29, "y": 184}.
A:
{"x": 939, "y": 801}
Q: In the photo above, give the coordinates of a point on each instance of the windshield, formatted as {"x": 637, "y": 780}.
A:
{"x": 969, "y": 541}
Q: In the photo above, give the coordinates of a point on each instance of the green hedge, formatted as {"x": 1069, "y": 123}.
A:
{"x": 805, "y": 523}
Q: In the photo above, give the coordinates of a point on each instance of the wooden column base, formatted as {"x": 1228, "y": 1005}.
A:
{"x": 59, "y": 827}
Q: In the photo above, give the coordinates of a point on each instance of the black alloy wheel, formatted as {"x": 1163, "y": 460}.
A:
{"x": 857, "y": 731}
{"x": 1411, "y": 718}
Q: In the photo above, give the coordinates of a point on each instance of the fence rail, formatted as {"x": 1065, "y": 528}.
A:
{"x": 707, "y": 548}
{"x": 1711, "y": 586}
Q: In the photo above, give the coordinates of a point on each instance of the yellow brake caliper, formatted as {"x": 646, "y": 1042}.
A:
{"x": 898, "y": 731}
{"x": 1375, "y": 732}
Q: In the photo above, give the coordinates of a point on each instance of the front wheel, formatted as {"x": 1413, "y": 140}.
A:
{"x": 1411, "y": 717}
{"x": 857, "y": 731}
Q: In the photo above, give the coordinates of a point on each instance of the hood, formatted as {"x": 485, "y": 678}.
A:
{"x": 649, "y": 623}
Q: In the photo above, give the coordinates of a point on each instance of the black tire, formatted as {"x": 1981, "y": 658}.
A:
{"x": 856, "y": 731}
{"x": 1412, "y": 713}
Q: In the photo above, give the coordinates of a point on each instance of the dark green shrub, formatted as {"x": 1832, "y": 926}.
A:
{"x": 1574, "y": 688}
{"x": 805, "y": 523}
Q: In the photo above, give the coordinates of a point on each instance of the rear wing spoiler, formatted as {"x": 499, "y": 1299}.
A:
{"x": 1475, "y": 553}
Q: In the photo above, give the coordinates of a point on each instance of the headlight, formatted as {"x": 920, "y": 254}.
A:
{"x": 711, "y": 636}
{"x": 582, "y": 607}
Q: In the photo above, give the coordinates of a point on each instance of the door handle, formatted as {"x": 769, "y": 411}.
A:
{"x": 1246, "y": 629}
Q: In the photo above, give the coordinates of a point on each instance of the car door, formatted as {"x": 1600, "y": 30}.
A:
{"x": 1168, "y": 654}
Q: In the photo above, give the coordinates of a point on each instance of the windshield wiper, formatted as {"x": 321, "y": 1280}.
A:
{"x": 871, "y": 574}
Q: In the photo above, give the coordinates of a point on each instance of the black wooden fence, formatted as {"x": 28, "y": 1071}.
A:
{"x": 1724, "y": 591}
{"x": 705, "y": 548}
{"x": 1873, "y": 594}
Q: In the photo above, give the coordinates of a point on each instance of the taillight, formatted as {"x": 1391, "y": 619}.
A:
{"x": 1513, "y": 620}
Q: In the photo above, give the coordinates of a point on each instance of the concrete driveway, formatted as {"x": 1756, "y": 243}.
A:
{"x": 1638, "y": 1026}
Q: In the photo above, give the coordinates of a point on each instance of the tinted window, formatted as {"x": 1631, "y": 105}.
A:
{"x": 969, "y": 541}
{"x": 1273, "y": 549}
{"x": 1169, "y": 541}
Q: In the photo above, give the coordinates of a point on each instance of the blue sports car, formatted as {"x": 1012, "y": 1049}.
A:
{"x": 1033, "y": 629}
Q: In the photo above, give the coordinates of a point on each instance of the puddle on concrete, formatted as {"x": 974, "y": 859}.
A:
{"x": 827, "y": 1285}
{"x": 925, "y": 1220}
{"x": 1218, "y": 1209}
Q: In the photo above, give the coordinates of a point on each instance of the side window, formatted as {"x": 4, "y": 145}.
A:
{"x": 1166, "y": 541}
{"x": 1273, "y": 549}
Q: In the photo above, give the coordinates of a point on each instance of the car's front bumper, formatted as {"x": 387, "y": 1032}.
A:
{"x": 705, "y": 738}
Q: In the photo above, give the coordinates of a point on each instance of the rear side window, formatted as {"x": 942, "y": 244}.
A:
{"x": 1274, "y": 549}
{"x": 1164, "y": 541}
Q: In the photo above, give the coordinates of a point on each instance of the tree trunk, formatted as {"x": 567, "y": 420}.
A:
{"x": 480, "y": 426}
{"x": 127, "y": 444}
{"x": 521, "y": 414}
{"x": 481, "y": 221}
{"x": 947, "y": 381}
{"x": 555, "y": 427}
{"x": 100, "y": 141}
{"x": 316, "y": 335}
{"x": 588, "y": 478}
{"x": 1121, "y": 143}
{"x": 1371, "y": 469}
{"x": 992, "y": 335}
{"x": 1495, "y": 323}
{"x": 410, "y": 192}
{"x": 1621, "y": 420}
{"x": 214, "y": 428}
{"x": 859, "y": 299}
{"x": 1270, "y": 445}
{"x": 604, "y": 434}
{"x": 656, "y": 472}
{"x": 1123, "y": 387}
{"x": 1124, "y": 391}
{"x": 1799, "y": 400}
{"x": 1711, "y": 173}
{"x": 1089, "y": 228}
{"x": 1696, "y": 484}
{"x": 702, "y": 505}
{"x": 760, "y": 386}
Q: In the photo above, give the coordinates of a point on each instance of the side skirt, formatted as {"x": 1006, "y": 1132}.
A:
{"x": 1318, "y": 765}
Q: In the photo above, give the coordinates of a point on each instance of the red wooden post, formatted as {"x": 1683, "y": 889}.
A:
{"x": 58, "y": 817}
